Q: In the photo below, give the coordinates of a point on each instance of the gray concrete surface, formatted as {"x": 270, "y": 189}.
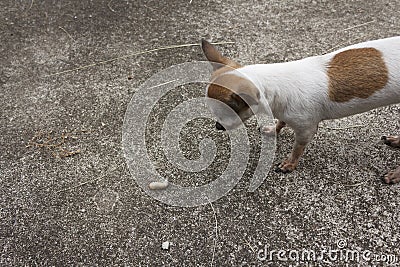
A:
{"x": 87, "y": 209}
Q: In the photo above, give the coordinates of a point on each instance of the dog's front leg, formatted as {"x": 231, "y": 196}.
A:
{"x": 273, "y": 130}
{"x": 303, "y": 137}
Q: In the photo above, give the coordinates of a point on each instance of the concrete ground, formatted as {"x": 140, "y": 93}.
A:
{"x": 67, "y": 196}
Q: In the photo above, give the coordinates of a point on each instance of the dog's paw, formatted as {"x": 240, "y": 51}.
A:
{"x": 286, "y": 167}
{"x": 393, "y": 177}
{"x": 269, "y": 131}
{"x": 393, "y": 141}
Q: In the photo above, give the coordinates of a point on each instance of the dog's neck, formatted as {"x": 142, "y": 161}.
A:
{"x": 288, "y": 84}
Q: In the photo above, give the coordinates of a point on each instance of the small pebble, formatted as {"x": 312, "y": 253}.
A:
{"x": 165, "y": 245}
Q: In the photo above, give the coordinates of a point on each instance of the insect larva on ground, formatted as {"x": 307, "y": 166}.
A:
{"x": 158, "y": 185}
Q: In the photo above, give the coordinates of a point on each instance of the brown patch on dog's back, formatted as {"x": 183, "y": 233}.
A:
{"x": 356, "y": 73}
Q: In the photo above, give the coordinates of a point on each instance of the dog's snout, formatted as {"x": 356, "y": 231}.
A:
{"x": 219, "y": 126}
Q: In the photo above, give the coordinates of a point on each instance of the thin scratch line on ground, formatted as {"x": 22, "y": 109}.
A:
{"x": 109, "y": 6}
{"x": 30, "y": 6}
{"x": 69, "y": 35}
{"x": 350, "y": 41}
{"x": 250, "y": 246}
{"x": 90, "y": 181}
{"x": 161, "y": 84}
{"x": 358, "y": 25}
{"x": 342, "y": 44}
{"x": 216, "y": 231}
{"x": 353, "y": 185}
{"x": 344, "y": 128}
{"x": 128, "y": 56}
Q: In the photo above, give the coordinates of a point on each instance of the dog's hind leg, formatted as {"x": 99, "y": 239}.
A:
{"x": 273, "y": 130}
{"x": 393, "y": 177}
{"x": 393, "y": 141}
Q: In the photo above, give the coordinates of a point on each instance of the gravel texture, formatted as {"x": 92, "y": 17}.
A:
{"x": 86, "y": 209}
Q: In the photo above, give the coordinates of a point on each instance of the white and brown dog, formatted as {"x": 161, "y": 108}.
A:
{"x": 302, "y": 93}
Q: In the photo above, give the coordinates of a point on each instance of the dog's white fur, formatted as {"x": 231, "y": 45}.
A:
{"x": 297, "y": 91}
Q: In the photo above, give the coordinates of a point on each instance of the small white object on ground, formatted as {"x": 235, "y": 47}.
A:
{"x": 158, "y": 185}
{"x": 165, "y": 245}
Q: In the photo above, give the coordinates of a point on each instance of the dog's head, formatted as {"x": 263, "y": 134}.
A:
{"x": 231, "y": 88}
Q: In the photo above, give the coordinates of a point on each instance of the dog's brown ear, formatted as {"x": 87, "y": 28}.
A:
{"x": 249, "y": 100}
{"x": 250, "y": 96}
{"x": 213, "y": 55}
